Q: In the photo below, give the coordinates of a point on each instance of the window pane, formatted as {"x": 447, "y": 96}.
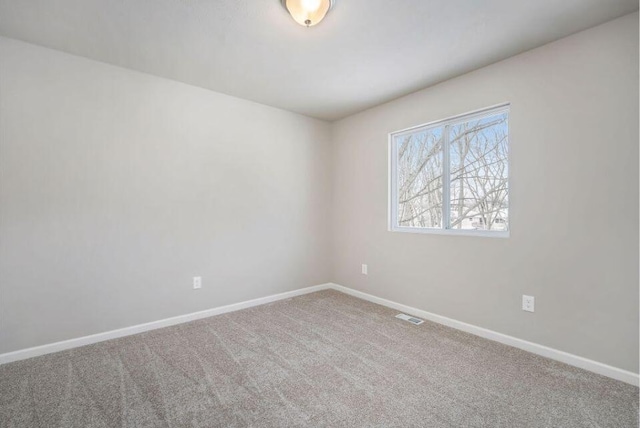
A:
{"x": 479, "y": 172}
{"x": 420, "y": 178}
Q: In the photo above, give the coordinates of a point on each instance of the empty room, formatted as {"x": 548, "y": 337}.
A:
{"x": 319, "y": 213}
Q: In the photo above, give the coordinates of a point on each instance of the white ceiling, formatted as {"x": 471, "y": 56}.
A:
{"x": 364, "y": 53}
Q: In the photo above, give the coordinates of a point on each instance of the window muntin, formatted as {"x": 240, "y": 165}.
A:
{"x": 452, "y": 176}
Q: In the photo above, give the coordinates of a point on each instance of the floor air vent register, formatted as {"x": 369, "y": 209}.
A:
{"x": 409, "y": 318}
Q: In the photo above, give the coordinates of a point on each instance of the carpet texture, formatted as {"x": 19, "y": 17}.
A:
{"x": 319, "y": 360}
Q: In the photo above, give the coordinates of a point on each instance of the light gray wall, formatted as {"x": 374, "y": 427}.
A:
{"x": 574, "y": 201}
{"x": 117, "y": 187}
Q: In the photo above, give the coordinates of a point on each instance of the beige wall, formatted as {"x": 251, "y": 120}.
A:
{"x": 116, "y": 188}
{"x": 574, "y": 201}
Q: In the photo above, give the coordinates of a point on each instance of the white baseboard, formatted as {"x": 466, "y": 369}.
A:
{"x": 127, "y": 331}
{"x": 545, "y": 351}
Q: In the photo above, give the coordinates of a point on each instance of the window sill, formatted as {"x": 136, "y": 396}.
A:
{"x": 453, "y": 232}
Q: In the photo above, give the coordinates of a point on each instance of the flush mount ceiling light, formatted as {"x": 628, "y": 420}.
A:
{"x": 308, "y": 12}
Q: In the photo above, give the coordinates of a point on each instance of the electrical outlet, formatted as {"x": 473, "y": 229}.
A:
{"x": 365, "y": 269}
{"x": 528, "y": 303}
{"x": 197, "y": 282}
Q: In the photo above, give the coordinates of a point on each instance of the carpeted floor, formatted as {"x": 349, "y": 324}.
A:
{"x": 320, "y": 360}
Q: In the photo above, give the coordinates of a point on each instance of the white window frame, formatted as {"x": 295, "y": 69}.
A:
{"x": 446, "y": 176}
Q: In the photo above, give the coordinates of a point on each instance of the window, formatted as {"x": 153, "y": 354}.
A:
{"x": 452, "y": 176}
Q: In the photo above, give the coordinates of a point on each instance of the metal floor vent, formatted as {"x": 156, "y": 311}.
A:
{"x": 412, "y": 320}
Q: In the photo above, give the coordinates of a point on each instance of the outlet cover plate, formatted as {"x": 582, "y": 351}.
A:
{"x": 197, "y": 282}
{"x": 528, "y": 303}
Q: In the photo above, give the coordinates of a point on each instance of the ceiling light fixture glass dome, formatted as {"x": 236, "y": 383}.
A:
{"x": 308, "y": 12}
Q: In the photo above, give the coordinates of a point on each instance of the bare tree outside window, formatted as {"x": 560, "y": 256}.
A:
{"x": 420, "y": 179}
{"x": 452, "y": 175}
{"x": 479, "y": 174}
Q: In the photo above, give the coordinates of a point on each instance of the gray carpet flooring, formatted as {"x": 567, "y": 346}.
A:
{"x": 319, "y": 360}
